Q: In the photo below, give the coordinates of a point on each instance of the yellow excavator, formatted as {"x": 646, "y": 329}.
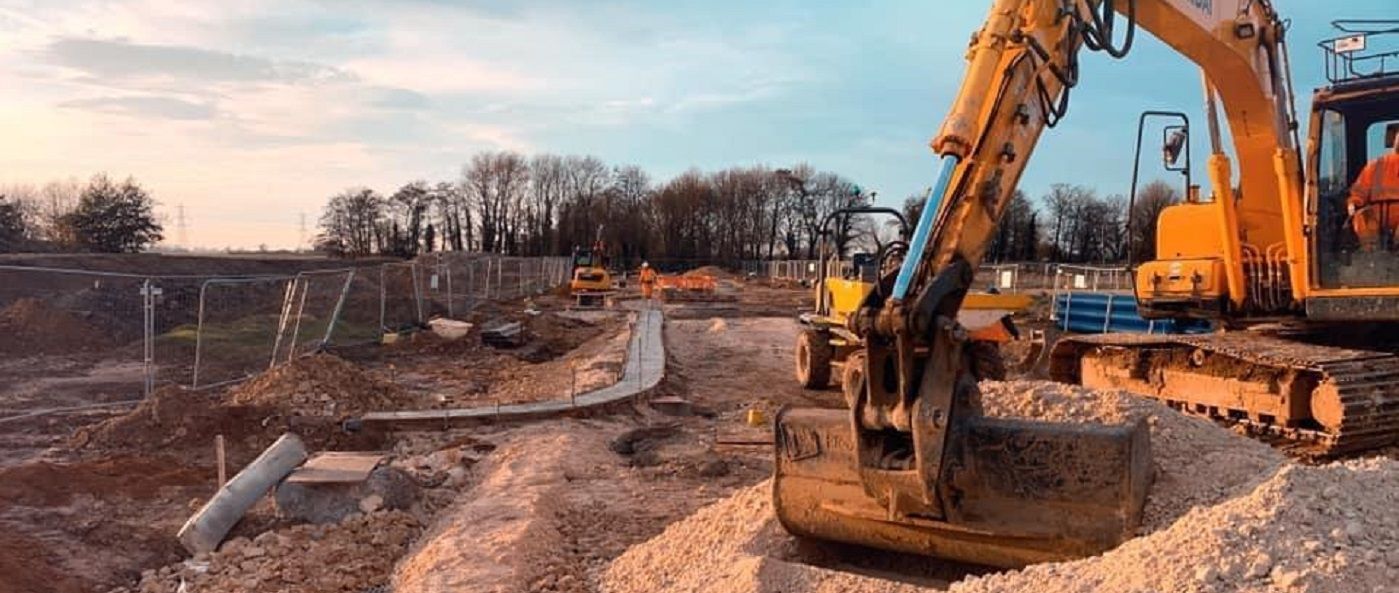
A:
{"x": 914, "y": 466}
{"x": 1281, "y": 261}
{"x": 826, "y": 342}
{"x": 590, "y": 283}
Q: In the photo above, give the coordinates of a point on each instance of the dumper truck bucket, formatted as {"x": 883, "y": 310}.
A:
{"x": 1012, "y": 492}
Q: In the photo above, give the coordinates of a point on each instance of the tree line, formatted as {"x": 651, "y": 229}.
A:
{"x": 1073, "y": 224}
{"x": 102, "y": 215}
{"x": 506, "y": 202}
{"x": 547, "y": 204}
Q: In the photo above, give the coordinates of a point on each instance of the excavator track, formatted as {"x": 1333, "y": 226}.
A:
{"x": 1312, "y": 400}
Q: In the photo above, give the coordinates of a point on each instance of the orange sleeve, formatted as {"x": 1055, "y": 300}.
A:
{"x": 1360, "y": 190}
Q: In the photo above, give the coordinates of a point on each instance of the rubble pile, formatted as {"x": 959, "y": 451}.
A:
{"x": 320, "y": 385}
{"x": 354, "y": 555}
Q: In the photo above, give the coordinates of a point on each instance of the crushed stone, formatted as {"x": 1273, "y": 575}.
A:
{"x": 352, "y": 556}
{"x": 1227, "y": 514}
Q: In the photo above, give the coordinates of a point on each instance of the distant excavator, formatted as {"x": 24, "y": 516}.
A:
{"x": 591, "y": 282}
{"x": 914, "y": 466}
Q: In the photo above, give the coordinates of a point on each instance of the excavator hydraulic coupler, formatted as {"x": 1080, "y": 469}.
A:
{"x": 1012, "y": 492}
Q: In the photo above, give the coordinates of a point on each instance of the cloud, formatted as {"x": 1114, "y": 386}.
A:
{"x": 146, "y": 106}
{"x": 120, "y": 59}
{"x": 442, "y": 72}
{"x": 399, "y": 99}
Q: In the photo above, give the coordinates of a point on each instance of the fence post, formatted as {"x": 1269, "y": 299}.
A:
{"x": 486, "y": 289}
{"x": 148, "y": 329}
{"x": 447, "y": 271}
{"x": 287, "y": 298}
{"x": 415, "y": 278}
{"x": 382, "y": 295}
{"x": 300, "y": 311}
{"x": 334, "y": 315}
{"x": 199, "y": 335}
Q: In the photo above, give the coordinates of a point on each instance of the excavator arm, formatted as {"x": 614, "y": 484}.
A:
{"x": 913, "y": 465}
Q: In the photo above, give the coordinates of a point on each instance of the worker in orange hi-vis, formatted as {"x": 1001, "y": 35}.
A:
{"x": 648, "y": 280}
{"x": 1374, "y": 197}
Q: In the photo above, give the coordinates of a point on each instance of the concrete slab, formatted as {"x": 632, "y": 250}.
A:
{"x": 644, "y": 369}
{"x": 335, "y": 467}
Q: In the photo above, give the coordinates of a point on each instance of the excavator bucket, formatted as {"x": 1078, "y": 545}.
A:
{"x": 1014, "y": 492}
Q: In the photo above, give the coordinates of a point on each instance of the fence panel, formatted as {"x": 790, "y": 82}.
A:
{"x": 238, "y": 326}
{"x": 124, "y": 335}
{"x": 84, "y": 329}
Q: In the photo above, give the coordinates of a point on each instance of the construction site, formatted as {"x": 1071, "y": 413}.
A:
{"x": 528, "y": 444}
{"x": 935, "y": 398}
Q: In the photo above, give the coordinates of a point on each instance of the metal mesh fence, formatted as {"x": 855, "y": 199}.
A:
{"x": 56, "y": 323}
{"x": 1007, "y": 277}
{"x": 141, "y": 332}
{"x": 236, "y": 327}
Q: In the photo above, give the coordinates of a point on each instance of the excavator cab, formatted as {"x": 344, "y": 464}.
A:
{"x": 1354, "y": 124}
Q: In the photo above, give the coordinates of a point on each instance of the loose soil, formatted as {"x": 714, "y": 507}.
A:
{"x": 563, "y": 352}
{"x": 31, "y": 327}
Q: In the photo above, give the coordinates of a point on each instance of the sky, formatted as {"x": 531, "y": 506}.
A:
{"x": 250, "y": 114}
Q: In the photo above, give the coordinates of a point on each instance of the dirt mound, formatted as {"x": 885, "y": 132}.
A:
{"x": 552, "y": 335}
{"x": 177, "y": 420}
{"x": 43, "y": 483}
{"x": 321, "y": 385}
{"x": 31, "y": 326}
{"x": 184, "y": 423}
{"x": 715, "y": 272}
{"x": 355, "y": 555}
{"x": 1316, "y": 529}
{"x": 1219, "y": 501}
{"x": 92, "y": 524}
{"x": 28, "y": 565}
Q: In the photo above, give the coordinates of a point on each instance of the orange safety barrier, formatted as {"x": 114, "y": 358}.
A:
{"x": 688, "y": 283}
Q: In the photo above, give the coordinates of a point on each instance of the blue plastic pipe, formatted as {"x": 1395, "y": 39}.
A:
{"x": 924, "y": 228}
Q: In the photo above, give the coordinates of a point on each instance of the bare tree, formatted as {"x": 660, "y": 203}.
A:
{"x": 350, "y": 222}
{"x": 548, "y": 190}
{"x": 407, "y": 211}
{"x": 453, "y": 214}
{"x": 496, "y": 183}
